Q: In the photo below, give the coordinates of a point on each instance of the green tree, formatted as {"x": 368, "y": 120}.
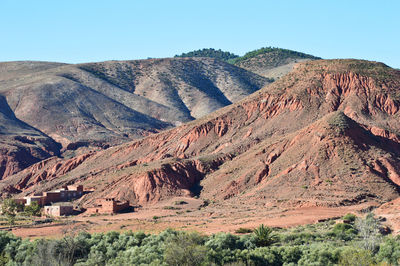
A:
{"x": 389, "y": 251}
{"x": 284, "y": 53}
{"x": 264, "y": 236}
{"x": 344, "y": 231}
{"x": 356, "y": 257}
{"x": 320, "y": 254}
{"x": 185, "y": 249}
{"x": 10, "y": 208}
{"x": 33, "y": 209}
{"x": 368, "y": 230}
{"x": 210, "y": 52}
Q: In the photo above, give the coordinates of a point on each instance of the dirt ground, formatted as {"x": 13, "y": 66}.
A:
{"x": 191, "y": 214}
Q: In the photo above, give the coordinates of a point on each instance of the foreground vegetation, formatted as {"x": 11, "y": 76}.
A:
{"x": 349, "y": 241}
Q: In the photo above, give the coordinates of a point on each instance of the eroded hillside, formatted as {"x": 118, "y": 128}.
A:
{"x": 324, "y": 135}
{"x": 108, "y": 103}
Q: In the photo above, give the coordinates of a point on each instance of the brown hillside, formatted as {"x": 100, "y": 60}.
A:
{"x": 20, "y": 144}
{"x": 325, "y": 134}
{"x": 108, "y": 103}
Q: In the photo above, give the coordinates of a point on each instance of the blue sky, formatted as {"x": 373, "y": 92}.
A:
{"x": 76, "y": 31}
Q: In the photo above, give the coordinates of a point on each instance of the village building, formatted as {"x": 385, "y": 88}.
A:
{"x": 58, "y": 210}
{"x": 20, "y": 201}
{"x": 63, "y": 194}
{"x": 107, "y": 205}
{"x": 35, "y": 198}
{"x": 68, "y": 193}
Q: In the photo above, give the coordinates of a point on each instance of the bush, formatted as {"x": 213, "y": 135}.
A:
{"x": 389, "y": 251}
{"x": 300, "y": 238}
{"x": 242, "y": 230}
{"x": 180, "y": 202}
{"x": 349, "y": 218}
{"x": 263, "y": 256}
{"x": 344, "y": 231}
{"x": 171, "y": 208}
{"x": 185, "y": 249}
{"x": 319, "y": 254}
{"x": 223, "y": 241}
{"x": 352, "y": 257}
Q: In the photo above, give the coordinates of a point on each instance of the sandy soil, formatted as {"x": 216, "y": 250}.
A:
{"x": 190, "y": 216}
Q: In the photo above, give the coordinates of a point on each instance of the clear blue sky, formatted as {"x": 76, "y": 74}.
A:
{"x": 76, "y": 31}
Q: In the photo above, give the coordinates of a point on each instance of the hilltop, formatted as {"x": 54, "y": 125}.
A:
{"x": 271, "y": 62}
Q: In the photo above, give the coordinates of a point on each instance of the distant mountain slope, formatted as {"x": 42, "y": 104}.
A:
{"x": 113, "y": 102}
{"x": 20, "y": 144}
{"x": 327, "y": 134}
{"x": 271, "y": 62}
{"x": 192, "y": 87}
{"x": 210, "y": 52}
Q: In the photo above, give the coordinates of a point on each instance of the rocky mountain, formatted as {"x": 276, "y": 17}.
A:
{"x": 327, "y": 134}
{"x": 107, "y": 103}
{"x": 271, "y": 63}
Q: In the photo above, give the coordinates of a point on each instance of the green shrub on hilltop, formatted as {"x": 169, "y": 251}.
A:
{"x": 284, "y": 53}
{"x": 210, "y": 52}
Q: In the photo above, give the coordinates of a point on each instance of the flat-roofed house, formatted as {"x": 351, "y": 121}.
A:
{"x": 39, "y": 199}
{"x": 108, "y": 205}
{"x": 58, "y": 210}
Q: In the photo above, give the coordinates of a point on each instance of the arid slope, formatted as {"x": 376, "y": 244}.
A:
{"x": 108, "y": 103}
{"x": 20, "y": 144}
{"x": 324, "y": 135}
